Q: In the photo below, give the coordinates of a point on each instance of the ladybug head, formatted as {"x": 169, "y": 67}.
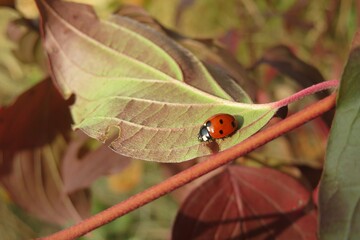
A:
{"x": 204, "y": 135}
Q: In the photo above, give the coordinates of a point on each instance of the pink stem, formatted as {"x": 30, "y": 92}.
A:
{"x": 305, "y": 92}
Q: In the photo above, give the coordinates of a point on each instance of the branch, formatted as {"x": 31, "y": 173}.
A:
{"x": 213, "y": 162}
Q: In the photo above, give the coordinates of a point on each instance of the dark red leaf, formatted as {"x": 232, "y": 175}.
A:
{"x": 247, "y": 203}
{"x": 34, "y": 119}
{"x": 81, "y": 165}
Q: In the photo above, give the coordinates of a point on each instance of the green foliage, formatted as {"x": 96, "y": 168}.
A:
{"x": 339, "y": 189}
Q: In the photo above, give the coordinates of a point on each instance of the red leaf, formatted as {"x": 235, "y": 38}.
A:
{"x": 34, "y": 118}
{"x": 80, "y": 169}
{"x": 244, "y": 203}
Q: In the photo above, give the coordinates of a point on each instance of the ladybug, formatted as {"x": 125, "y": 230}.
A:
{"x": 218, "y": 126}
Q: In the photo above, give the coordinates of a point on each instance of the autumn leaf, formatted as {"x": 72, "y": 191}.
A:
{"x": 129, "y": 77}
{"x": 247, "y": 203}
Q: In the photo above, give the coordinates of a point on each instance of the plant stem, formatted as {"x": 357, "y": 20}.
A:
{"x": 213, "y": 162}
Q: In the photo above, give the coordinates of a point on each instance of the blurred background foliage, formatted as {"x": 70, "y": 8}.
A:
{"x": 317, "y": 32}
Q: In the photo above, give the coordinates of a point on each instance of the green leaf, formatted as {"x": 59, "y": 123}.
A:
{"x": 127, "y": 76}
{"x": 339, "y": 194}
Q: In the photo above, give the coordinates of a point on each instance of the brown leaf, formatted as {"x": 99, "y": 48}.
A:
{"x": 247, "y": 203}
{"x": 35, "y": 184}
{"x": 82, "y": 165}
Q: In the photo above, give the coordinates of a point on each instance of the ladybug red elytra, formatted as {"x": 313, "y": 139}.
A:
{"x": 218, "y": 126}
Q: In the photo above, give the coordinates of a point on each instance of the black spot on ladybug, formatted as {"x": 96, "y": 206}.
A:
{"x": 233, "y": 124}
{"x": 221, "y": 121}
{"x": 221, "y": 132}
